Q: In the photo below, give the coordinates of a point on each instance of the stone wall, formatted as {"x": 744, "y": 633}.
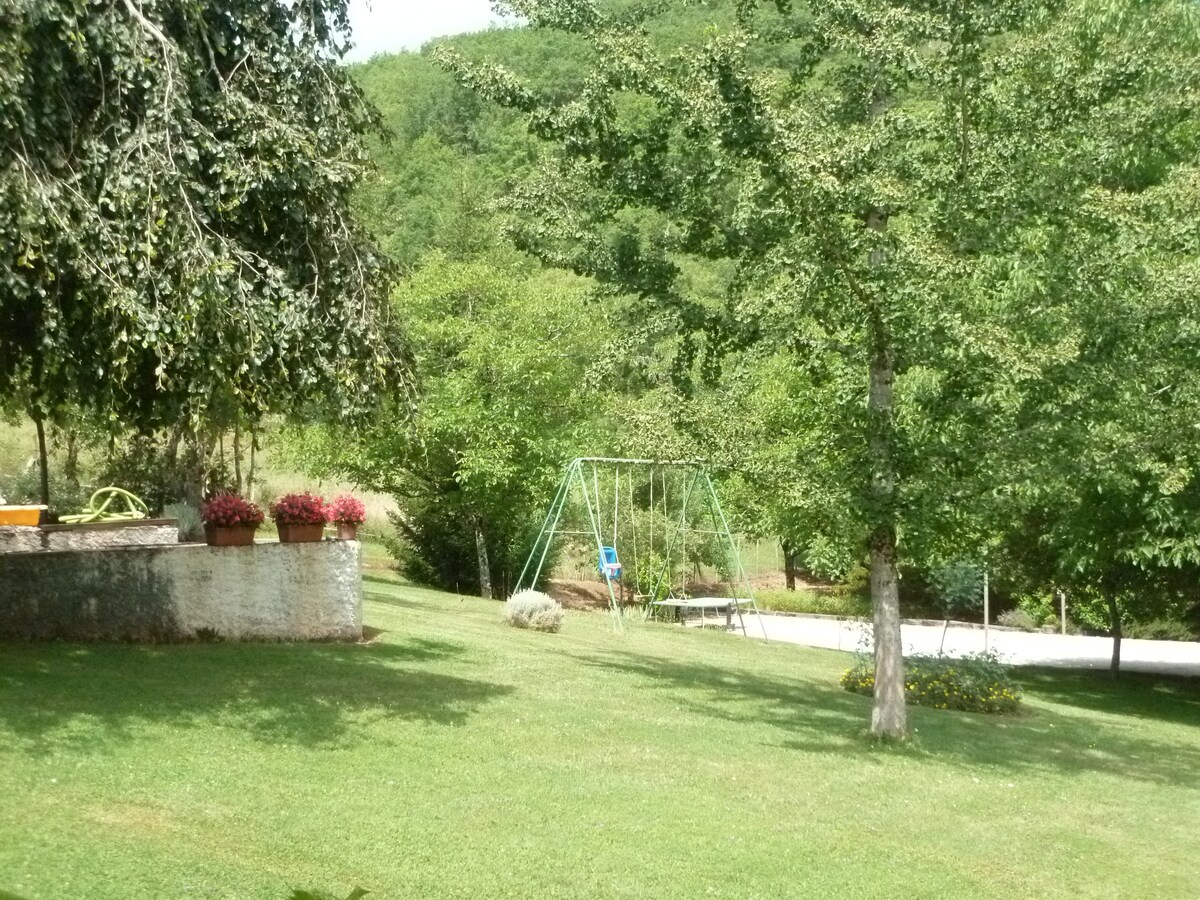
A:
{"x": 20, "y": 539}
{"x": 101, "y": 535}
{"x": 269, "y": 591}
{"x": 97, "y": 536}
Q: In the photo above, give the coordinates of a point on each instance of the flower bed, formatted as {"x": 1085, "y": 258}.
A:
{"x": 975, "y": 683}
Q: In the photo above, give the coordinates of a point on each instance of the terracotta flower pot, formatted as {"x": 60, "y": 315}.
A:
{"x": 229, "y": 535}
{"x": 300, "y": 534}
{"x": 347, "y": 531}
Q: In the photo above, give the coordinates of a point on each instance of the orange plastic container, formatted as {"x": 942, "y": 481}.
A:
{"x": 21, "y": 515}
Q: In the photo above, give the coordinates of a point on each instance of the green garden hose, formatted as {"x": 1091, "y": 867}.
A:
{"x": 97, "y": 509}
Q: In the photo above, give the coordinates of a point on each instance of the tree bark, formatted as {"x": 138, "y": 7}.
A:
{"x": 789, "y": 565}
{"x": 71, "y": 466}
{"x": 237, "y": 455}
{"x": 43, "y": 459}
{"x": 198, "y": 448}
{"x": 888, "y": 716}
{"x": 250, "y": 487}
{"x": 485, "y": 569}
{"x": 1114, "y": 618}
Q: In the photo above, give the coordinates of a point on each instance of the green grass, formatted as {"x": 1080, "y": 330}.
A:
{"x": 454, "y": 757}
{"x": 18, "y": 445}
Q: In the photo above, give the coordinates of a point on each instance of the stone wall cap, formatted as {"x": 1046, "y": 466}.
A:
{"x": 104, "y": 526}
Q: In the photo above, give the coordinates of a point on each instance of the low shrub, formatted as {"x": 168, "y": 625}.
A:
{"x": 188, "y": 517}
{"x": 1159, "y": 630}
{"x": 1017, "y": 618}
{"x": 1040, "y": 607}
{"x": 533, "y": 610}
{"x": 975, "y": 683}
{"x": 821, "y": 603}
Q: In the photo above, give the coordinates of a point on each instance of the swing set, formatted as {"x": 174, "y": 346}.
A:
{"x": 653, "y": 591}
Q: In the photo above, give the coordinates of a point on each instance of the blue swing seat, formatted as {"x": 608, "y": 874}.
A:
{"x": 610, "y": 566}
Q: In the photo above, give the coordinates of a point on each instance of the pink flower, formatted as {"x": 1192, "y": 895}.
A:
{"x": 347, "y": 510}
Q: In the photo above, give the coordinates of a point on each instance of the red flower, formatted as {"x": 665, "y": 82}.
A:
{"x": 299, "y": 509}
{"x": 347, "y": 510}
{"x": 230, "y": 510}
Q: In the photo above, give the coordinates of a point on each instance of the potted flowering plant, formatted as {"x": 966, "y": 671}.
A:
{"x": 299, "y": 517}
{"x": 230, "y": 520}
{"x": 347, "y": 513}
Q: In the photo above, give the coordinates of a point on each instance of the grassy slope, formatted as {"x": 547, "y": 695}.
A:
{"x": 457, "y": 758}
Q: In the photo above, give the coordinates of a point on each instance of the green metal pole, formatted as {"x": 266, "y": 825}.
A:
{"x": 551, "y": 514}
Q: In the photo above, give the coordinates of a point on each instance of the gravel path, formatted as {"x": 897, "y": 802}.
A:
{"x": 1016, "y": 647}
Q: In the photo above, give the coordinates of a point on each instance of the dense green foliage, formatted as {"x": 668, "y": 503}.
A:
{"x": 175, "y": 183}
{"x": 501, "y": 353}
{"x": 453, "y": 756}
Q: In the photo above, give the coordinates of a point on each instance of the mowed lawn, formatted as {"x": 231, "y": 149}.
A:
{"x": 455, "y": 757}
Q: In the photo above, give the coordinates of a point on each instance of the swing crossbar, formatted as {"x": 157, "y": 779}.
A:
{"x": 612, "y": 460}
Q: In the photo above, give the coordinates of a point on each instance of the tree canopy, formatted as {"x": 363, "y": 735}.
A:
{"x": 175, "y": 186}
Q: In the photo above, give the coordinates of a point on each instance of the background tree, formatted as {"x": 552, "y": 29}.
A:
{"x": 1095, "y": 437}
{"x": 175, "y": 182}
{"x": 502, "y": 354}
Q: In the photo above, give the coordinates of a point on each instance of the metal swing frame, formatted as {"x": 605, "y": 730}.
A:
{"x": 700, "y": 482}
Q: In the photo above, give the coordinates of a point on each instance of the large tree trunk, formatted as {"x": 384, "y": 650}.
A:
{"x": 485, "y": 569}
{"x": 1114, "y": 618}
{"x": 71, "y": 465}
{"x": 888, "y": 717}
{"x": 198, "y": 448}
{"x": 43, "y": 459}
{"x": 237, "y": 456}
{"x": 789, "y": 565}
{"x": 251, "y": 490}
